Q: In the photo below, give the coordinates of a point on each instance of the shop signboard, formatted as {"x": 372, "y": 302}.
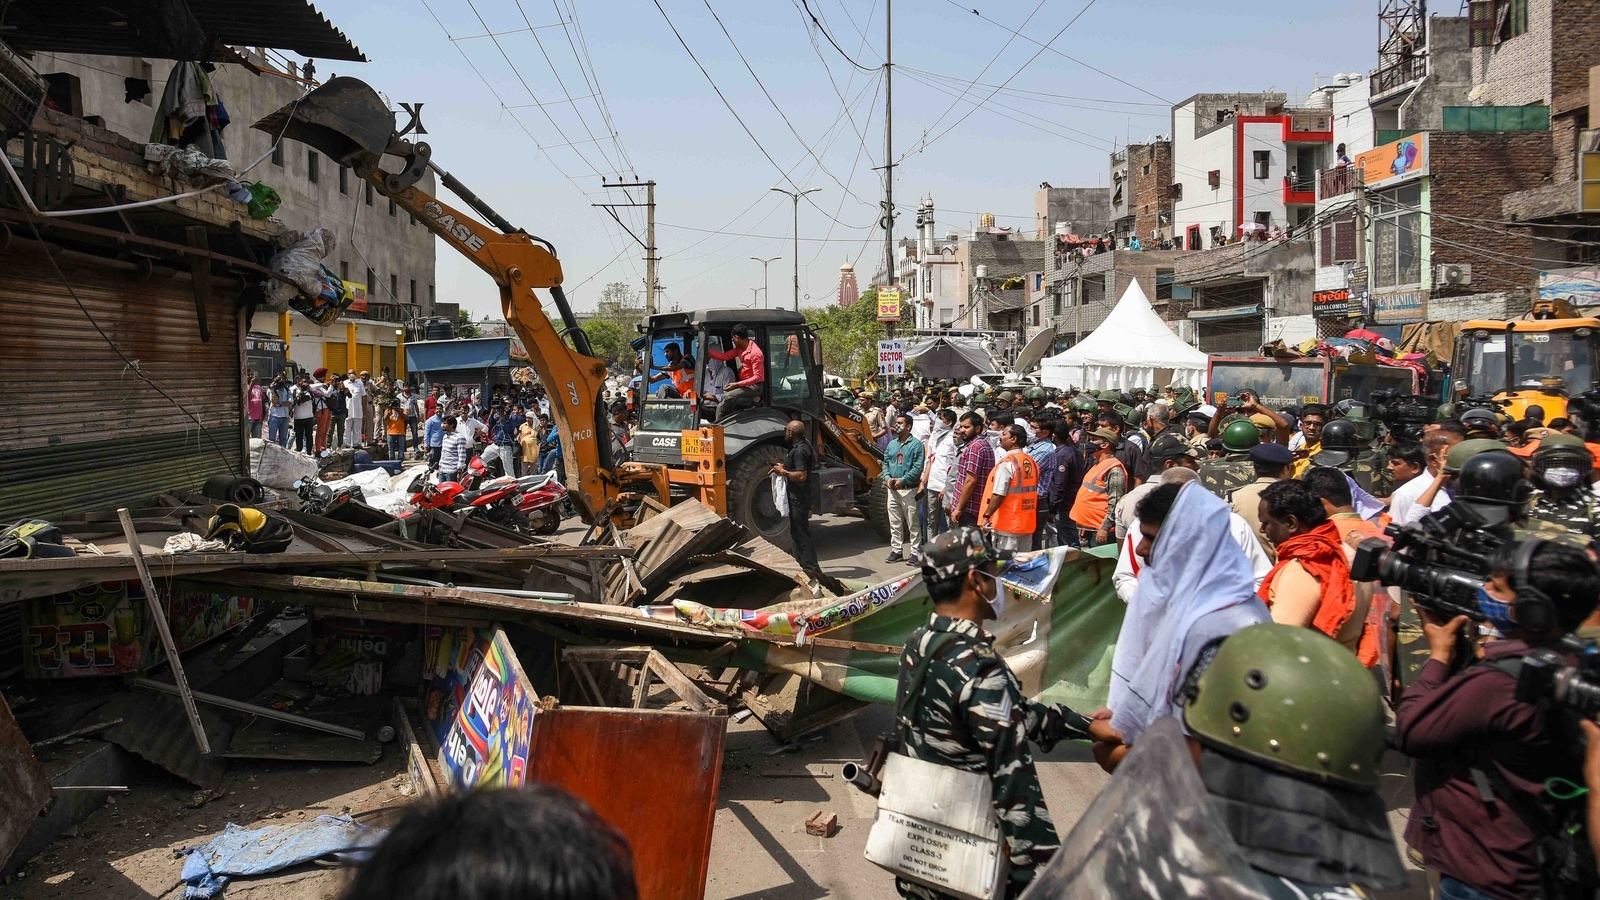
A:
{"x": 1578, "y": 286}
{"x": 105, "y": 629}
{"x": 1400, "y": 308}
{"x": 358, "y": 296}
{"x": 1333, "y": 304}
{"x": 480, "y": 706}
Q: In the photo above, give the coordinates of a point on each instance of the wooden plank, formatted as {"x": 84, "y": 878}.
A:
{"x": 200, "y": 275}
{"x": 260, "y": 740}
{"x": 159, "y": 614}
{"x": 417, "y": 763}
{"x": 257, "y": 624}
{"x": 680, "y": 683}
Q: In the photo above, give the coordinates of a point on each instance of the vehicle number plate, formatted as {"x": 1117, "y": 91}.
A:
{"x": 693, "y": 445}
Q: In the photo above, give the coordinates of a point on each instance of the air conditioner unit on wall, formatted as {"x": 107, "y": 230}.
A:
{"x": 1453, "y": 275}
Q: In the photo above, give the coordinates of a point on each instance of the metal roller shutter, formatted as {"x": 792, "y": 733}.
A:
{"x": 364, "y": 360}
{"x": 336, "y": 356}
{"x": 79, "y": 428}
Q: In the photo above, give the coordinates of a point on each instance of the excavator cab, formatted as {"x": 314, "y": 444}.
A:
{"x": 1527, "y": 362}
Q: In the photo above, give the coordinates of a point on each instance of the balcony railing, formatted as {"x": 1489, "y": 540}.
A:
{"x": 1390, "y": 77}
{"x": 1336, "y": 182}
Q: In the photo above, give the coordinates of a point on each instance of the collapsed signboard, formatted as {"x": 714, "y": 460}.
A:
{"x": 105, "y": 628}
{"x": 479, "y": 705}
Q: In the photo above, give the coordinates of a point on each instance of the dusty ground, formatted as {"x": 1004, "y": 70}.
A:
{"x": 760, "y": 848}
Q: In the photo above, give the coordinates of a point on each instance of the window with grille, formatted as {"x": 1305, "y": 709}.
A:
{"x": 1263, "y": 163}
{"x": 1338, "y": 240}
{"x": 1164, "y": 281}
{"x": 1492, "y": 21}
{"x": 1396, "y": 237}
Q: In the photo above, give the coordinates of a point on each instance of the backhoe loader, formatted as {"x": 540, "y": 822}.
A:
{"x": 1540, "y": 360}
{"x": 683, "y": 448}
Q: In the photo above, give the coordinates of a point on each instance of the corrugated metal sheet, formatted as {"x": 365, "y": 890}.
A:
{"x": 336, "y": 356}
{"x": 24, "y": 788}
{"x": 80, "y": 428}
{"x": 118, "y": 28}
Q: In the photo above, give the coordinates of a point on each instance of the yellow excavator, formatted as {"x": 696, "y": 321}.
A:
{"x": 682, "y": 447}
{"x": 1538, "y": 361}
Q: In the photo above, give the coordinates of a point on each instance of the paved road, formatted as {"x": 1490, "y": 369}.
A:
{"x": 760, "y": 848}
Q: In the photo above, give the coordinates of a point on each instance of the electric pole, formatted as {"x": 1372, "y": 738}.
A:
{"x": 649, "y": 242}
{"x": 888, "y": 143}
{"x": 764, "y": 294}
{"x": 795, "y": 196}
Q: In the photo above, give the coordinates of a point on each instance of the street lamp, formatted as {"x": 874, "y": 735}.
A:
{"x": 795, "y": 196}
{"x": 764, "y": 262}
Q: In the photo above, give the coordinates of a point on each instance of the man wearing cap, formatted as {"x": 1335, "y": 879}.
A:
{"x": 1169, "y": 452}
{"x": 1271, "y": 462}
{"x": 877, "y": 427}
{"x": 1102, "y": 489}
{"x": 962, "y": 707}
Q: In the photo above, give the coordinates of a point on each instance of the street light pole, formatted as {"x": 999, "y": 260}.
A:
{"x": 795, "y": 196}
{"x": 764, "y": 294}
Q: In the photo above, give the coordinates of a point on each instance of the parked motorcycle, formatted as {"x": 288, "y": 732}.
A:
{"x": 497, "y": 503}
{"x": 318, "y": 499}
{"x": 544, "y": 497}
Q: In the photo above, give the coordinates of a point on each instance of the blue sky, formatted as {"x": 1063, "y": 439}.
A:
{"x": 1055, "y": 120}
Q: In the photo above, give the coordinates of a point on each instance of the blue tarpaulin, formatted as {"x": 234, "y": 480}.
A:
{"x": 257, "y": 851}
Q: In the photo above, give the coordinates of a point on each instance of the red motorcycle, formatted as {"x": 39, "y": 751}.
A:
{"x": 497, "y": 503}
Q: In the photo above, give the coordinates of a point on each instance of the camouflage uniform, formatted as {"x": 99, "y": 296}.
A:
{"x": 1578, "y": 512}
{"x": 972, "y": 715}
{"x": 1371, "y": 471}
{"x": 1226, "y": 475}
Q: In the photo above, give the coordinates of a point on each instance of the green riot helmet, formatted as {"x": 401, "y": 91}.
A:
{"x": 1034, "y": 393}
{"x": 1083, "y": 403}
{"x": 1123, "y": 410}
{"x": 1183, "y": 403}
{"x": 1240, "y": 436}
{"x": 980, "y": 397}
{"x": 1562, "y": 461}
{"x": 1291, "y": 699}
{"x": 1445, "y": 412}
{"x": 1356, "y": 414}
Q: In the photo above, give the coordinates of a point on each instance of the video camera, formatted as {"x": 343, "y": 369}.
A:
{"x": 1403, "y": 414}
{"x": 1545, "y": 674}
{"x": 1442, "y": 560}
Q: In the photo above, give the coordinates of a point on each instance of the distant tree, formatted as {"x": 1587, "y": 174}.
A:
{"x": 850, "y": 335}
{"x": 611, "y": 329}
{"x": 464, "y": 326}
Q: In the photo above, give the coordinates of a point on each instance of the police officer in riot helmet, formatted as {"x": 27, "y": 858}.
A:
{"x": 1293, "y": 766}
{"x": 1343, "y": 448}
{"x": 1562, "y": 467}
{"x": 1233, "y": 470}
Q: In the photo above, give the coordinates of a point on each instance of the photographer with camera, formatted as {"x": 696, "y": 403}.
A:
{"x": 1482, "y": 751}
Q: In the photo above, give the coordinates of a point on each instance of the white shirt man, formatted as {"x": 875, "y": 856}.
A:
{"x": 922, "y": 424}
{"x": 717, "y": 377}
{"x": 942, "y": 455}
{"x": 352, "y": 420}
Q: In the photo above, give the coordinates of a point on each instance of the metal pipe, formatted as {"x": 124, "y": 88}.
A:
{"x": 265, "y": 712}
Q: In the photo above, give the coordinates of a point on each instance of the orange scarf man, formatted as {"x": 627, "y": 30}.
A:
{"x": 1310, "y": 585}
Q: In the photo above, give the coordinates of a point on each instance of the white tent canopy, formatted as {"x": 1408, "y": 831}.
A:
{"x": 1133, "y": 347}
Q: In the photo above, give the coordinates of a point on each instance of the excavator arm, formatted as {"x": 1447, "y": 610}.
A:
{"x": 346, "y": 120}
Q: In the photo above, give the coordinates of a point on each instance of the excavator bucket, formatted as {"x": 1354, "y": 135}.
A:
{"x": 345, "y": 119}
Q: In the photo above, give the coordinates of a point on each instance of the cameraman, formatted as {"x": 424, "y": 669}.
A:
{"x": 1479, "y": 754}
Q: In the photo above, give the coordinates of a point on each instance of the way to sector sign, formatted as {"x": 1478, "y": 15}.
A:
{"x": 892, "y": 357}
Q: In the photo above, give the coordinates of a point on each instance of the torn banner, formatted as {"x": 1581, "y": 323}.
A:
{"x": 1060, "y": 649}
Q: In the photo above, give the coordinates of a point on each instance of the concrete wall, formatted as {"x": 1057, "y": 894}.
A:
{"x": 1086, "y": 210}
{"x": 1448, "y": 81}
{"x": 1352, "y": 119}
{"x": 1192, "y": 158}
{"x": 1263, "y": 195}
{"x": 1121, "y": 189}
{"x": 389, "y": 245}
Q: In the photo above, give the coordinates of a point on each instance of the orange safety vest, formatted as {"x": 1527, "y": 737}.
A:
{"x": 1092, "y": 503}
{"x": 1018, "y": 511}
{"x": 683, "y": 381}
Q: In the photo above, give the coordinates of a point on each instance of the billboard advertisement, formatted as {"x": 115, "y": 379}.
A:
{"x": 1395, "y": 161}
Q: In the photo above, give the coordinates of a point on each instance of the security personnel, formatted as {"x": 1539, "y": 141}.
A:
{"x": 1234, "y": 470}
{"x": 969, "y": 711}
{"x": 1010, "y": 506}
{"x": 1561, "y": 470}
{"x": 1103, "y": 487}
{"x": 1343, "y": 449}
{"x": 1003, "y": 401}
{"x": 1036, "y": 398}
{"x": 1281, "y": 753}
{"x": 1083, "y": 409}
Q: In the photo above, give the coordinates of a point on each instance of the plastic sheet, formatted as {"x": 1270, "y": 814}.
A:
{"x": 321, "y": 295}
{"x": 257, "y": 851}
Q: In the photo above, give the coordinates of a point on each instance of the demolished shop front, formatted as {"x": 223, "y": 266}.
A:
{"x": 466, "y": 363}
{"x": 85, "y": 426}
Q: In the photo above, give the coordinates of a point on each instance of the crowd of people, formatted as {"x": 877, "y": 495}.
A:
{"x": 1236, "y": 530}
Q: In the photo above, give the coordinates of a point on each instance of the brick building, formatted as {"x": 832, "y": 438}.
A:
{"x": 1141, "y": 193}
